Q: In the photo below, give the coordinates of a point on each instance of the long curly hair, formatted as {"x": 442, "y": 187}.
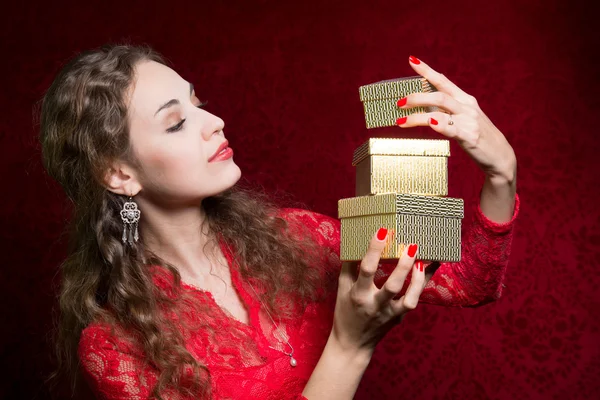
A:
{"x": 84, "y": 127}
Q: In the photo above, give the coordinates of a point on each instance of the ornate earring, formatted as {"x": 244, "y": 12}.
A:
{"x": 130, "y": 216}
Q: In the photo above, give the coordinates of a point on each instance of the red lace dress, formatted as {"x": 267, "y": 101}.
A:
{"x": 240, "y": 358}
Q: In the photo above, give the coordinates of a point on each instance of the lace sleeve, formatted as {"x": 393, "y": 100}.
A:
{"x": 113, "y": 373}
{"x": 474, "y": 281}
{"x": 477, "y": 279}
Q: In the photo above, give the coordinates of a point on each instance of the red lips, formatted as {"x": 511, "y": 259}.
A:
{"x": 222, "y": 147}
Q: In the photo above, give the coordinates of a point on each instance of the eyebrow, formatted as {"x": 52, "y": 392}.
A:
{"x": 172, "y": 102}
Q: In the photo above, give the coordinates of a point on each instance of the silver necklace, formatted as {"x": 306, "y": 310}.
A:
{"x": 282, "y": 334}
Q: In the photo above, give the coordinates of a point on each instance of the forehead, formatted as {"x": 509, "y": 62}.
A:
{"x": 154, "y": 84}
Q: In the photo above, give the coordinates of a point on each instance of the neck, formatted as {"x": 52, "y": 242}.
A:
{"x": 179, "y": 237}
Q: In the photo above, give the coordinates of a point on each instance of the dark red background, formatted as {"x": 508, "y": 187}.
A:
{"x": 284, "y": 76}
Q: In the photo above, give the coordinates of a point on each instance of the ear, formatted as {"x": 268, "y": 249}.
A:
{"x": 122, "y": 179}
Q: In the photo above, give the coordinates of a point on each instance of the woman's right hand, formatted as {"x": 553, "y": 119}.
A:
{"x": 364, "y": 313}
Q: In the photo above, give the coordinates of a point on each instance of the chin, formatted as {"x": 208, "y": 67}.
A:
{"x": 237, "y": 174}
{"x": 232, "y": 178}
{"x": 222, "y": 182}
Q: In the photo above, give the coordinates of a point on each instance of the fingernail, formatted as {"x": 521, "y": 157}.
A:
{"x": 421, "y": 264}
{"x": 412, "y": 250}
{"x": 401, "y": 102}
{"x": 433, "y": 121}
{"x": 414, "y": 60}
{"x": 401, "y": 121}
{"x": 381, "y": 233}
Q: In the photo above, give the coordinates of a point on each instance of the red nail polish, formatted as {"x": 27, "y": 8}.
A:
{"x": 433, "y": 121}
{"x": 401, "y": 121}
{"x": 421, "y": 265}
{"x": 414, "y": 60}
{"x": 401, "y": 102}
{"x": 412, "y": 250}
{"x": 381, "y": 233}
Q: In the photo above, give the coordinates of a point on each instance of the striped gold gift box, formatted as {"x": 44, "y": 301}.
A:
{"x": 410, "y": 166}
{"x": 379, "y": 99}
{"x": 434, "y": 223}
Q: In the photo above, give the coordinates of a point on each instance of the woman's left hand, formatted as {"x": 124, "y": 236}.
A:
{"x": 471, "y": 128}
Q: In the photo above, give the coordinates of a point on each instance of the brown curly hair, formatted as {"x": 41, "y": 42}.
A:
{"x": 84, "y": 127}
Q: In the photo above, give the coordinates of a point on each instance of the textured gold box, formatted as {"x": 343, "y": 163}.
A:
{"x": 410, "y": 166}
{"x": 434, "y": 223}
{"x": 379, "y": 99}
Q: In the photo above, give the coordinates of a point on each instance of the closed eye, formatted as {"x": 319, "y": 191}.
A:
{"x": 179, "y": 125}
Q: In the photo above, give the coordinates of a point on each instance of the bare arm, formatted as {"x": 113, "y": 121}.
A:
{"x": 461, "y": 118}
{"x": 337, "y": 373}
{"x": 363, "y": 316}
{"x": 498, "y": 195}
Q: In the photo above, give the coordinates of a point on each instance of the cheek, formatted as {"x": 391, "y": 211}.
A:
{"x": 174, "y": 163}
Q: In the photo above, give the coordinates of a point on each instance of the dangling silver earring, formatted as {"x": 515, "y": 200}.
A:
{"x": 130, "y": 216}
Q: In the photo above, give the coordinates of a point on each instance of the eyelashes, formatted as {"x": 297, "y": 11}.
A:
{"x": 179, "y": 125}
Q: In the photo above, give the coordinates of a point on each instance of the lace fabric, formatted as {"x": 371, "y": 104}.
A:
{"x": 241, "y": 363}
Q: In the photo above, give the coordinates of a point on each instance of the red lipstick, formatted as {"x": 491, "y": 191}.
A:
{"x": 224, "y": 152}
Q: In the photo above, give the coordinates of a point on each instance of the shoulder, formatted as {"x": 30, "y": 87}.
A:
{"x": 101, "y": 335}
{"x": 323, "y": 233}
{"x": 103, "y": 347}
{"x": 324, "y": 229}
{"x": 96, "y": 351}
{"x": 114, "y": 367}
{"x": 95, "y": 336}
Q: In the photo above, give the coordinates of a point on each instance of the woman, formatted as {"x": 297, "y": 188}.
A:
{"x": 179, "y": 284}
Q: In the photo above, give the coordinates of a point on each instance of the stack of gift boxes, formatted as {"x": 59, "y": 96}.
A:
{"x": 401, "y": 184}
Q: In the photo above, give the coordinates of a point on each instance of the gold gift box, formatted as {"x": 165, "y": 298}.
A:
{"x": 411, "y": 166}
{"x": 379, "y": 99}
{"x": 434, "y": 223}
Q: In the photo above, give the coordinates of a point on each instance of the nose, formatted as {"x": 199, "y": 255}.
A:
{"x": 214, "y": 126}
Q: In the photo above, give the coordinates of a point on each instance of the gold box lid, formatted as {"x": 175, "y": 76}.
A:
{"x": 395, "y": 88}
{"x": 401, "y": 147}
{"x": 392, "y": 203}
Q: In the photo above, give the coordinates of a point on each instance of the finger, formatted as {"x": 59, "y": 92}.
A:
{"x": 395, "y": 281}
{"x": 410, "y": 300}
{"x": 437, "y": 120}
{"x": 368, "y": 265}
{"x": 438, "y": 80}
{"x": 430, "y": 269}
{"x": 346, "y": 278}
{"x": 437, "y": 99}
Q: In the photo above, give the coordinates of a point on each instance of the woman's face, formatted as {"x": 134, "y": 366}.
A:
{"x": 174, "y": 140}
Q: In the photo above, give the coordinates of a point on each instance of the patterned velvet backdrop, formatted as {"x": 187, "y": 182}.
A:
{"x": 284, "y": 76}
